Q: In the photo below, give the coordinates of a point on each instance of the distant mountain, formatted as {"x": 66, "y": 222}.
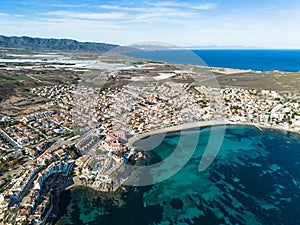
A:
{"x": 223, "y": 47}
{"x": 41, "y": 44}
{"x": 154, "y": 46}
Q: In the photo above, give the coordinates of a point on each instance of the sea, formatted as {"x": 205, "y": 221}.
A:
{"x": 254, "y": 179}
{"x": 255, "y": 59}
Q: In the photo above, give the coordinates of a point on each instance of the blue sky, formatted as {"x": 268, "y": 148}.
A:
{"x": 260, "y": 23}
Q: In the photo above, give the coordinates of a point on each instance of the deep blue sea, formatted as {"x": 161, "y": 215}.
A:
{"x": 258, "y": 60}
{"x": 255, "y": 179}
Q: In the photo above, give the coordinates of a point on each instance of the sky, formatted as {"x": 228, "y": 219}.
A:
{"x": 257, "y": 23}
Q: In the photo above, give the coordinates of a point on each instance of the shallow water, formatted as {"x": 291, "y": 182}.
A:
{"x": 255, "y": 179}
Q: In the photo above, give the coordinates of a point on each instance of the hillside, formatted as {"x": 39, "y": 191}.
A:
{"x": 41, "y": 44}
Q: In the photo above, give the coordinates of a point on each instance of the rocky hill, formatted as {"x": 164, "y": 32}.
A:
{"x": 47, "y": 44}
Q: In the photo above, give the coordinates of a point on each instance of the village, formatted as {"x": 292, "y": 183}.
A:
{"x": 84, "y": 134}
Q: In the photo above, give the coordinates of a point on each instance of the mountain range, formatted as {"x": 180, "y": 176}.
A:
{"x": 51, "y": 44}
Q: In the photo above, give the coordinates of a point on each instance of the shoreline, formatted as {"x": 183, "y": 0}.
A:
{"x": 207, "y": 66}
{"x": 76, "y": 182}
{"x": 175, "y": 128}
{"x": 202, "y": 124}
{"x": 265, "y": 126}
{"x": 183, "y": 127}
{"x": 145, "y": 199}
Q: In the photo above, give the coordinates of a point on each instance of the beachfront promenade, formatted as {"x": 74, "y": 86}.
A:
{"x": 185, "y": 126}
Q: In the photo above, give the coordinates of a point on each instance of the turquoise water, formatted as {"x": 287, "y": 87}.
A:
{"x": 260, "y": 60}
{"x": 255, "y": 179}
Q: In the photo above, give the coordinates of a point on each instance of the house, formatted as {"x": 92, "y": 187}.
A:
{"x": 111, "y": 143}
{"x": 45, "y": 157}
{"x": 23, "y": 214}
{"x": 30, "y": 151}
{"x": 2, "y": 182}
{"x": 3, "y": 203}
{"x": 6, "y": 119}
{"x": 60, "y": 153}
{"x": 120, "y": 134}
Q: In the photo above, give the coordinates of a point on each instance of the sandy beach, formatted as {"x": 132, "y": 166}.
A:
{"x": 185, "y": 126}
{"x": 200, "y": 124}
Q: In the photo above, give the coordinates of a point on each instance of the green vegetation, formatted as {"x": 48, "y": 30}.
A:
{"x": 137, "y": 63}
{"x": 42, "y": 78}
{"x": 4, "y": 79}
{"x": 201, "y": 68}
{"x": 114, "y": 62}
{"x": 72, "y": 151}
{"x": 20, "y": 78}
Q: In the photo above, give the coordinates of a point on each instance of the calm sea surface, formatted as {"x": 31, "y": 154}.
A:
{"x": 255, "y": 179}
{"x": 259, "y": 60}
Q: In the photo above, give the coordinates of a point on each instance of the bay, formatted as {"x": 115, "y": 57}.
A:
{"x": 255, "y": 179}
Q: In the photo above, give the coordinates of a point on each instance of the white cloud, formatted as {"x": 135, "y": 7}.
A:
{"x": 82, "y": 30}
{"x": 68, "y": 5}
{"x": 80, "y": 15}
{"x": 127, "y": 9}
{"x": 204, "y": 6}
{"x": 19, "y": 15}
{"x": 165, "y": 6}
{"x": 207, "y": 6}
{"x": 128, "y": 15}
{"x": 152, "y": 14}
{"x": 181, "y": 23}
{"x": 110, "y": 7}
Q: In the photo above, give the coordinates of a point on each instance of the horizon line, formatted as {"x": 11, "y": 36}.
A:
{"x": 174, "y": 47}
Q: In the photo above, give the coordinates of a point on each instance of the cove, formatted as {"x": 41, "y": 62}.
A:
{"x": 255, "y": 179}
